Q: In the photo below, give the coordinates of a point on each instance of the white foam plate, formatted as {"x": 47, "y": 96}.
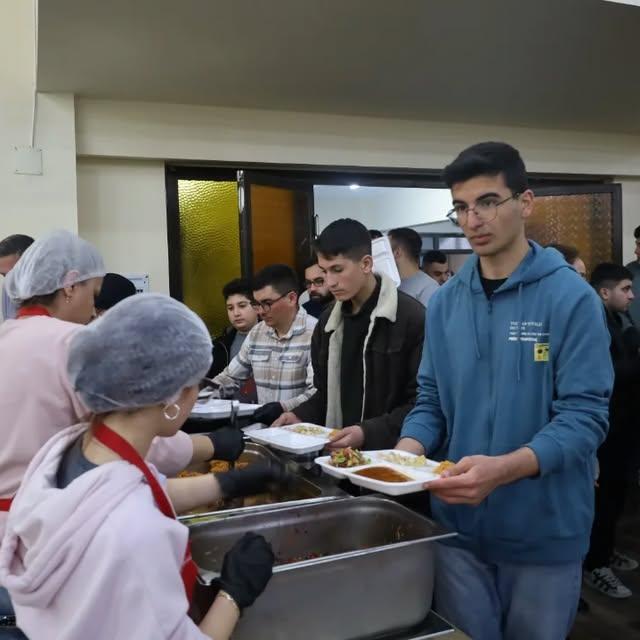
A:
{"x": 286, "y": 438}
{"x": 215, "y": 409}
{"x": 419, "y": 476}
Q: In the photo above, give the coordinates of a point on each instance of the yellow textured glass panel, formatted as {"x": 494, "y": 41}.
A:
{"x": 209, "y": 246}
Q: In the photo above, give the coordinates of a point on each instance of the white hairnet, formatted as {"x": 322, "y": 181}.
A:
{"x": 141, "y": 352}
{"x": 54, "y": 261}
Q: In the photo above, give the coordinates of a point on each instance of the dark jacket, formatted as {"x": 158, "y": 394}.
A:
{"x": 626, "y": 365}
{"x": 393, "y": 349}
{"x": 222, "y": 352}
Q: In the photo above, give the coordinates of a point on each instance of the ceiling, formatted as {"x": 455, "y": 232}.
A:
{"x": 570, "y": 64}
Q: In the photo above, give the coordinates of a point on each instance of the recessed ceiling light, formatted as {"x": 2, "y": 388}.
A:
{"x": 354, "y": 186}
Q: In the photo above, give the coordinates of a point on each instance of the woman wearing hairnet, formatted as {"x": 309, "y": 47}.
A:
{"x": 92, "y": 547}
{"x": 54, "y": 283}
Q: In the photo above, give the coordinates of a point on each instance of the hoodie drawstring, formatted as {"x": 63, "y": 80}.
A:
{"x": 474, "y": 330}
{"x": 520, "y": 316}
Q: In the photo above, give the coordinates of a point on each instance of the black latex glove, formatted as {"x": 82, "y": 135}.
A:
{"x": 247, "y": 568}
{"x": 228, "y": 443}
{"x": 258, "y": 478}
{"x": 268, "y": 413}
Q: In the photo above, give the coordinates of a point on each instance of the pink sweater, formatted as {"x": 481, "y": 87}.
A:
{"x": 94, "y": 560}
{"x": 37, "y": 401}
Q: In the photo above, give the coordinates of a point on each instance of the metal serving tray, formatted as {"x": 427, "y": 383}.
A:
{"x": 374, "y": 572}
{"x": 305, "y": 488}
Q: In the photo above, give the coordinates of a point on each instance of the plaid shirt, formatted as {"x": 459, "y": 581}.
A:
{"x": 280, "y": 366}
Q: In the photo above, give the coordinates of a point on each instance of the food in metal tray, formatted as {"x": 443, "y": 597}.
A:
{"x": 404, "y": 460}
{"x": 215, "y": 466}
{"x": 347, "y": 457}
{"x": 308, "y": 430}
{"x": 384, "y": 474}
{"x": 443, "y": 466}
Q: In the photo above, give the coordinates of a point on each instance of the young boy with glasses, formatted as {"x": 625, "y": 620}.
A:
{"x": 513, "y": 387}
{"x": 276, "y": 352}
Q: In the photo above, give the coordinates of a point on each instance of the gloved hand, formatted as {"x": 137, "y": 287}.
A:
{"x": 258, "y": 478}
{"x": 268, "y": 413}
{"x": 246, "y": 569}
{"x": 228, "y": 443}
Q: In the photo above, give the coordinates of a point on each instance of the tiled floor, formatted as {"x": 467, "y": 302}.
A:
{"x": 611, "y": 619}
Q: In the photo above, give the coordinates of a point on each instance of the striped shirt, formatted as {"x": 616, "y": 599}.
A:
{"x": 280, "y": 366}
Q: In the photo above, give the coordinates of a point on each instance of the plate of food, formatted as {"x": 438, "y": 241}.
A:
{"x": 343, "y": 460}
{"x": 295, "y": 438}
{"x": 388, "y": 471}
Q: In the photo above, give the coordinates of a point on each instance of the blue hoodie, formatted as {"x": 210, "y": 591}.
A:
{"x": 530, "y": 367}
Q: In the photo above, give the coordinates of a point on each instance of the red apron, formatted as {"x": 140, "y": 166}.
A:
{"x": 110, "y": 439}
{"x": 23, "y": 312}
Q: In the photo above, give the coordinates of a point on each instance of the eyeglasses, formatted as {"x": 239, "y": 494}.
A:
{"x": 486, "y": 209}
{"x": 316, "y": 282}
{"x": 267, "y": 304}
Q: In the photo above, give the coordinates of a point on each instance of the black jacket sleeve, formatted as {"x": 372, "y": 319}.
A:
{"x": 315, "y": 408}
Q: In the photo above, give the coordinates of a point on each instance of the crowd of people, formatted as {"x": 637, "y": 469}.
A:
{"x": 517, "y": 368}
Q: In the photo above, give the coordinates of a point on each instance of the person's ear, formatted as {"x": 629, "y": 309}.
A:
{"x": 604, "y": 293}
{"x": 526, "y": 201}
{"x": 68, "y": 292}
{"x": 367, "y": 264}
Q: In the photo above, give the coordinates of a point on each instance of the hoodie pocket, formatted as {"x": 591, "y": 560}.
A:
{"x": 519, "y": 511}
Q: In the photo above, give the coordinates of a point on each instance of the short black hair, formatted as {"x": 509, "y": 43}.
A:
{"x": 310, "y": 262}
{"x": 488, "y": 159}
{"x": 279, "y": 276}
{"x": 237, "y": 287}
{"x": 636, "y": 233}
{"x": 15, "y": 245}
{"x": 115, "y": 288}
{"x": 409, "y": 239}
{"x": 433, "y": 255}
{"x": 607, "y": 275}
{"x": 375, "y": 233}
{"x": 346, "y": 237}
{"x": 569, "y": 253}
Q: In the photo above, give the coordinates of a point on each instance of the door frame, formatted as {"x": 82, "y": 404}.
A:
{"x": 249, "y": 178}
{"x": 544, "y": 183}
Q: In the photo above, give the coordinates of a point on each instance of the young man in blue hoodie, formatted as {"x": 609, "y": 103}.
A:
{"x": 514, "y": 386}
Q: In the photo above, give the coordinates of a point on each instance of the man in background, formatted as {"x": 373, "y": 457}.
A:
{"x": 571, "y": 255}
{"x": 319, "y": 295}
{"x": 616, "y": 455}
{"x": 407, "y": 245}
{"x": 277, "y": 351}
{"x": 634, "y": 268}
{"x": 365, "y": 352}
{"x": 11, "y": 248}
{"x": 242, "y": 315}
{"x": 436, "y": 266}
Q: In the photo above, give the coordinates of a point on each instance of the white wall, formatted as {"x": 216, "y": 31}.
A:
{"x": 122, "y": 210}
{"x": 168, "y": 131}
{"x": 380, "y": 208}
{"x": 32, "y": 204}
{"x": 630, "y": 215}
{"x": 200, "y": 133}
